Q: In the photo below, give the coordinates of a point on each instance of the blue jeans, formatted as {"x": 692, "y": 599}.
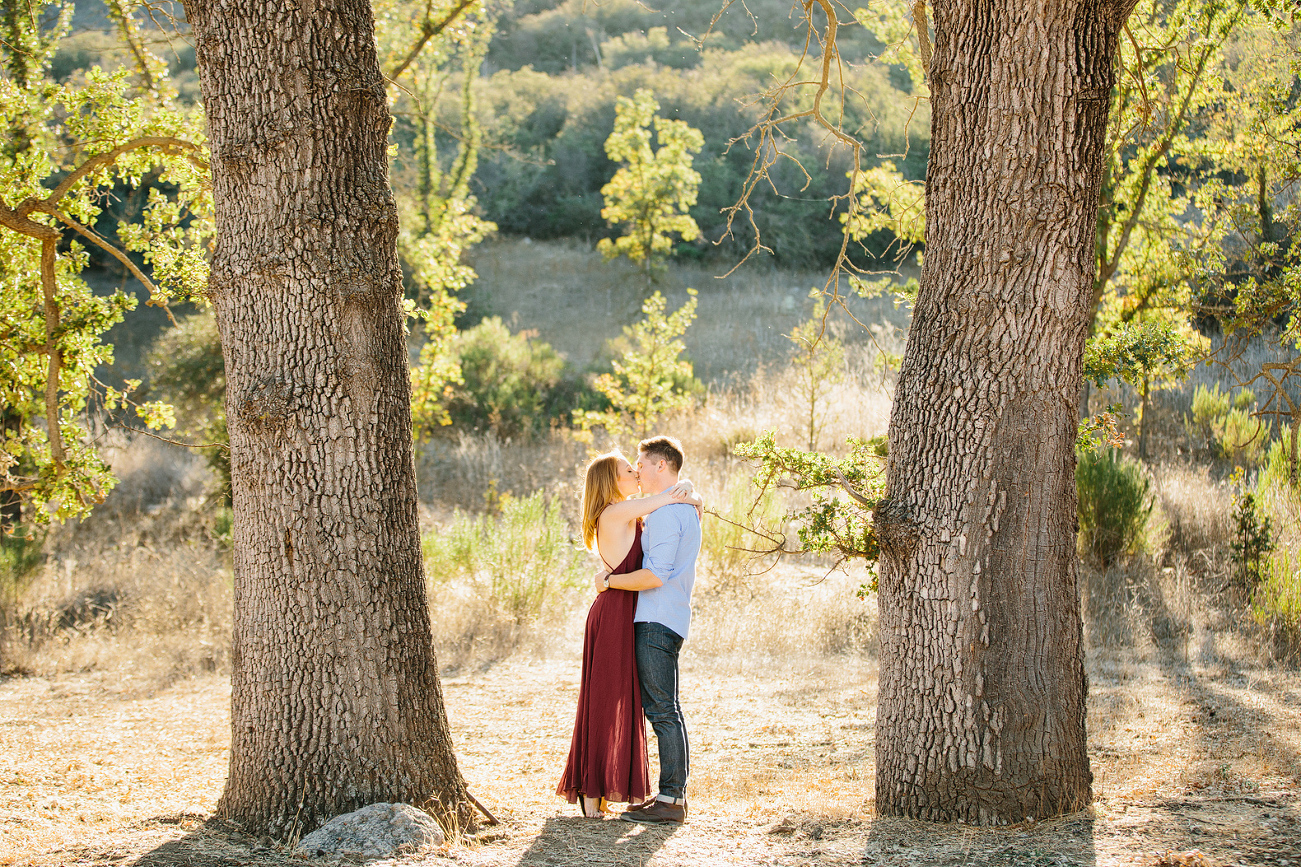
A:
{"x": 657, "y": 669}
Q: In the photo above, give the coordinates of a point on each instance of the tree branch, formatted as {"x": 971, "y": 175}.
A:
{"x": 117, "y": 254}
{"x": 923, "y": 37}
{"x": 188, "y": 149}
{"x": 49, "y": 249}
{"x": 428, "y": 30}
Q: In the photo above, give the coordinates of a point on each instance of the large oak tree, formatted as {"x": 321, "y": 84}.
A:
{"x": 982, "y": 688}
{"x": 336, "y": 699}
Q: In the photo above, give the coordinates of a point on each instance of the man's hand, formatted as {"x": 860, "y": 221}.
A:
{"x": 599, "y": 578}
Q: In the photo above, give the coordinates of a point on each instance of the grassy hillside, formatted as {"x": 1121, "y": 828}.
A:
{"x": 546, "y": 105}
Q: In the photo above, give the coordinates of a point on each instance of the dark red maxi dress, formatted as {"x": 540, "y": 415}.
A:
{"x": 607, "y": 755}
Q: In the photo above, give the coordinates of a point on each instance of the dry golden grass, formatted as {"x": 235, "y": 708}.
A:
{"x": 576, "y": 301}
{"x": 102, "y": 769}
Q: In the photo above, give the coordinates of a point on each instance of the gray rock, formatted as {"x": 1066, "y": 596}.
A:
{"x": 376, "y": 831}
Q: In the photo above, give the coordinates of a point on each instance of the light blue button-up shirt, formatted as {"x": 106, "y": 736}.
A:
{"x": 670, "y": 542}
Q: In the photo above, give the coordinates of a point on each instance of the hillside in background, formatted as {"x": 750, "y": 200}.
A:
{"x": 545, "y": 103}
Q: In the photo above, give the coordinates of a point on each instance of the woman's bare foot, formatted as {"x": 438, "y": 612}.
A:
{"x": 593, "y": 808}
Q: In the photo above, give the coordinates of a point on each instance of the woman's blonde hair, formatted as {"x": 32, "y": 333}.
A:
{"x": 600, "y": 489}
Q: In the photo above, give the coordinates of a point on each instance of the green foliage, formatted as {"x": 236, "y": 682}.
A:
{"x": 890, "y": 204}
{"x": 1244, "y": 440}
{"x": 1252, "y": 535}
{"x": 1149, "y": 354}
{"x": 1114, "y": 506}
{"x": 68, "y": 145}
{"x": 843, "y": 493}
{"x": 186, "y": 371}
{"x": 650, "y": 194}
{"x": 818, "y": 360}
{"x": 1277, "y": 597}
{"x": 517, "y": 557}
{"x": 20, "y": 556}
{"x": 1101, "y": 429}
{"x": 1224, "y": 421}
{"x": 1161, "y": 165}
{"x": 1278, "y": 471}
{"x": 650, "y": 377}
{"x": 550, "y": 121}
{"x": 510, "y": 383}
{"x": 1210, "y": 406}
{"x": 437, "y": 218}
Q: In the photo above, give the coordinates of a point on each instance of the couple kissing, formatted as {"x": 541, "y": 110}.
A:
{"x": 635, "y": 630}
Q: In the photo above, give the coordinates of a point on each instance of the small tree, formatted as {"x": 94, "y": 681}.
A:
{"x": 1149, "y": 355}
{"x": 819, "y": 362}
{"x": 650, "y": 194}
{"x": 1253, "y": 536}
{"x": 651, "y": 378}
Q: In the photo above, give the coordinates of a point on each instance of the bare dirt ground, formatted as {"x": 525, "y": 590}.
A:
{"x": 1194, "y": 764}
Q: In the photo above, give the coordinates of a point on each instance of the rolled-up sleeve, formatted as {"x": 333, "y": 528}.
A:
{"x": 663, "y": 534}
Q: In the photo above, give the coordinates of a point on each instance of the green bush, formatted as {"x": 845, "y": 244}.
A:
{"x": 727, "y": 543}
{"x": 1222, "y": 421}
{"x": 1243, "y": 440}
{"x": 514, "y": 385}
{"x": 1276, "y": 602}
{"x": 1210, "y": 405}
{"x": 1276, "y": 470}
{"x": 186, "y": 370}
{"x": 19, "y": 558}
{"x": 1115, "y": 505}
{"x": 515, "y": 558}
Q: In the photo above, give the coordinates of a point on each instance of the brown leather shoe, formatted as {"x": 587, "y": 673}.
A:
{"x": 658, "y": 813}
{"x": 632, "y": 808}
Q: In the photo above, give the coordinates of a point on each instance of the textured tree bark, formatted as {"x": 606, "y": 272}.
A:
{"x": 336, "y": 700}
{"x": 982, "y": 691}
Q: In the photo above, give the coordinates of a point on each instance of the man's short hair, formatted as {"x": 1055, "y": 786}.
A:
{"x": 666, "y": 448}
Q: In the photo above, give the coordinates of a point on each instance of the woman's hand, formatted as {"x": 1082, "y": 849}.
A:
{"x": 681, "y": 492}
{"x": 685, "y": 492}
{"x": 599, "y": 578}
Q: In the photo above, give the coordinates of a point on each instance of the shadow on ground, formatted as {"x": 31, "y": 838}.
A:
{"x": 1064, "y": 842}
{"x": 561, "y": 841}
{"x": 572, "y": 840}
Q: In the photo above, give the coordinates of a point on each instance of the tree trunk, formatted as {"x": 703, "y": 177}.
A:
{"x": 336, "y": 701}
{"x": 982, "y": 689}
{"x": 1142, "y": 419}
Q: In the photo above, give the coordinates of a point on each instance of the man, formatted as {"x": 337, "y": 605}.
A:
{"x": 671, "y": 543}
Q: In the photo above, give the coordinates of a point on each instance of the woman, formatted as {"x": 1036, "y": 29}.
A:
{"x": 607, "y": 755}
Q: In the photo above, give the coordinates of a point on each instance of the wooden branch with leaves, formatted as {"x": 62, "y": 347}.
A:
{"x": 429, "y": 28}
{"x": 830, "y": 524}
{"x": 19, "y": 219}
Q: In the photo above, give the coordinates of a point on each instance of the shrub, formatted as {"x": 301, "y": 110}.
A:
{"x": 1277, "y": 468}
{"x": 1114, "y": 506}
{"x": 1209, "y": 406}
{"x": 1243, "y": 440}
{"x": 515, "y": 558}
{"x": 1276, "y": 603}
{"x": 19, "y": 558}
{"x": 1223, "y": 422}
{"x": 186, "y": 370}
{"x": 1252, "y": 536}
{"x": 651, "y": 377}
{"x": 727, "y": 542}
{"x": 512, "y": 382}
